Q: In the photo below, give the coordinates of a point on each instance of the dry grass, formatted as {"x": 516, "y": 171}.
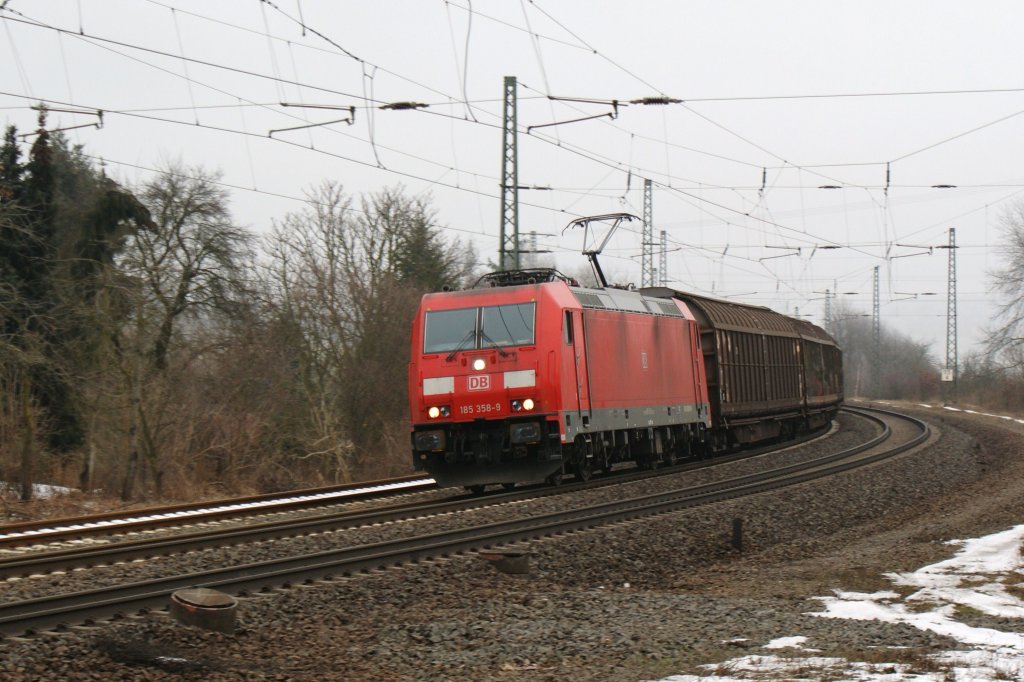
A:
{"x": 919, "y": 661}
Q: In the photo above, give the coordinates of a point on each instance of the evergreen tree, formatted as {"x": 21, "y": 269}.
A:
{"x": 10, "y": 167}
{"x": 61, "y": 224}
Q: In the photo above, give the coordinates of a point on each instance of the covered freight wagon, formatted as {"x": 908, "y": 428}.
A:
{"x": 768, "y": 374}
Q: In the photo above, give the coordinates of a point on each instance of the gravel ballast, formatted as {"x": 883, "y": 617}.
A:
{"x": 639, "y": 600}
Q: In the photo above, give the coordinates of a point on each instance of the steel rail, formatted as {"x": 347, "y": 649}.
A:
{"x": 56, "y": 611}
{"x": 146, "y": 548}
{"x": 52, "y": 530}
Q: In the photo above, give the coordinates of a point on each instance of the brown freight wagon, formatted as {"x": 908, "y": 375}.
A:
{"x": 768, "y": 375}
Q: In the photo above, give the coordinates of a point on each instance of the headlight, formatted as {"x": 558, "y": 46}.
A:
{"x": 520, "y": 405}
{"x": 435, "y": 412}
{"x": 528, "y": 404}
{"x": 479, "y": 364}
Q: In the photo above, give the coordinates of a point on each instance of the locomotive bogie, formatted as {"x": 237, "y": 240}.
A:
{"x": 491, "y": 451}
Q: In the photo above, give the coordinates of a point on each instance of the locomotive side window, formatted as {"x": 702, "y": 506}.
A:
{"x": 449, "y": 330}
{"x": 507, "y": 325}
{"x": 567, "y": 326}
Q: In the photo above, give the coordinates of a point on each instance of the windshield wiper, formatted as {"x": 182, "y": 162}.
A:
{"x": 470, "y": 336}
{"x": 494, "y": 344}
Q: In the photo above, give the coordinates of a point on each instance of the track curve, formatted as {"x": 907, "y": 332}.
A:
{"x": 49, "y": 612}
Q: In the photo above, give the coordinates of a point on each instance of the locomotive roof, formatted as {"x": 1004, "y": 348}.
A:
{"x": 624, "y": 299}
{"x": 608, "y": 298}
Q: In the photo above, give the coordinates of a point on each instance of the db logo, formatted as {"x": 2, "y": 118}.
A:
{"x": 480, "y": 382}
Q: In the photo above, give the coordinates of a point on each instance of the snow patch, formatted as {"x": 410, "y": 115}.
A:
{"x": 786, "y": 643}
{"x": 975, "y": 578}
{"x": 40, "y": 491}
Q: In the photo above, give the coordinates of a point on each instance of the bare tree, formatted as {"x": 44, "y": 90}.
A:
{"x": 311, "y": 284}
{"x": 345, "y": 282}
{"x": 905, "y": 368}
{"x": 190, "y": 263}
{"x": 188, "y": 270}
{"x": 1006, "y": 339}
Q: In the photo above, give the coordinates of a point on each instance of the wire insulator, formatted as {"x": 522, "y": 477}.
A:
{"x": 402, "y": 106}
{"x": 656, "y": 100}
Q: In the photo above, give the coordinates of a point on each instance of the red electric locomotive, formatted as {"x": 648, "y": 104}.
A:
{"x": 530, "y": 377}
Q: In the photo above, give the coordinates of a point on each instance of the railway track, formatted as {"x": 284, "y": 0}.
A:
{"x": 65, "y": 609}
{"x": 116, "y": 549}
{"x": 115, "y": 538}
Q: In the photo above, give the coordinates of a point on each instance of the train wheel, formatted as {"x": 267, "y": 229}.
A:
{"x": 583, "y": 471}
{"x": 476, "y": 489}
{"x": 509, "y": 486}
{"x": 647, "y": 463}
{"x": 554, "y": 479}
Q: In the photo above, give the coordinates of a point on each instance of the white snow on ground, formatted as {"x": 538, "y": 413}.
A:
{"x": 983, "y": 414}
{"x": 39, "y": 490}
{"x": 976, "y": 578}
{"x": 786, "y": 643}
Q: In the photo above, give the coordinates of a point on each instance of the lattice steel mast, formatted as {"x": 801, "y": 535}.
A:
{"x": 951, "y": 350}
{"x": 828, "y": 311}
{"x": 508, "y": 243}
{"x": 663, "y": 262}
{"x": 647, "y": 239}
{"x": 876, "y": 332}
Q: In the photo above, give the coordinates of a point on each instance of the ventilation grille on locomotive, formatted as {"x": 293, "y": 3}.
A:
{"x": 590, "y": 300}
{"x": 663, "y": 307}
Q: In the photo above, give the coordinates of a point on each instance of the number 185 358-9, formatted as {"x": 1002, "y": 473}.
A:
{"x": 480, "y": 408}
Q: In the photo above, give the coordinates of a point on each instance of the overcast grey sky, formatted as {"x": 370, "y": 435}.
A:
{"x": 779, "y": 100}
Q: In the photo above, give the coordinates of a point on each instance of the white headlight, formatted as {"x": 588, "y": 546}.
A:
{"x": 528, "y": 404}
{"x": 479, "y": 364}
{"x": 434, "y": 412}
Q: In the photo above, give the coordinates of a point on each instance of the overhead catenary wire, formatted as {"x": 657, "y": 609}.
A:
{"x": 320, "y": 151}
{"x": 184, "y": 63}
{"x": 462, "y": 75}
{"x": 556, "y": 142}
{"x": 25, "y": 83}
{"x": 427, "y": 179}
{"x": 276, "y": 79}
{"x": 227, "y": 185}
{"x": 965, "y": 133}
{"x": 477, "y": 176}
{"x": 135, "y": 114}
{"x": 279, "y": 80}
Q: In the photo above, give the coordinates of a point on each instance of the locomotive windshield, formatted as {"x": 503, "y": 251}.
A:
{"x": 476, "y": 328}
